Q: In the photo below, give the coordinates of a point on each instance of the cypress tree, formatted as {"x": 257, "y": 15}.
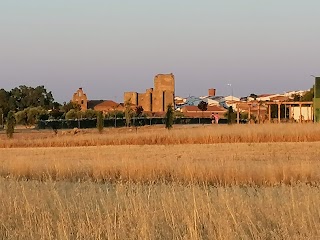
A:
{"x": 169, "y": 117}
{"x": 1, "y": 118}
{"x": 100, "y": 122}
{"x": 11, "y": 122}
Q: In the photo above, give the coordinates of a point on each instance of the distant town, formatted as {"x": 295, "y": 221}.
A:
{"x": 289, "y": 106}
{"x": 29, "y": 105}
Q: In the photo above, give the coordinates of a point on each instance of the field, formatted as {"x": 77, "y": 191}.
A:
{"x": 204, "y": 182}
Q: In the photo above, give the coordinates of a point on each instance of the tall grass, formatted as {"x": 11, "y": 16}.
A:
{"x": 64, "y": 210}
{"x": 178, "y": 135}
{"x": 159, "y": 184}
{"x": 263, "y": 164}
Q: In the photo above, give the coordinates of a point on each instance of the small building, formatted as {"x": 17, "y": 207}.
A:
{"x": 104, "y": 106}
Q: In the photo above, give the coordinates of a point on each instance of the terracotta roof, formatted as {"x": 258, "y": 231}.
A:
{"x": 108, "y": 105}
{"x": 92, "y": 103}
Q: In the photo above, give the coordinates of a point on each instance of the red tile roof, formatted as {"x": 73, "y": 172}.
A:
{"x": 108, "y": 105}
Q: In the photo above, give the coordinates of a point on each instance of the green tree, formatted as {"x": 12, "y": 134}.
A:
{"x": 1, "y": 118}
{"x": 308, "y": 96}
{"x": 29, "y": 116}
{"x": 21, "y": 117}
{"x": 100, "y": 122}
{"x": 55, "y": 114}
{"x": 254, "y": 96}
{"x": 23, "y": 97}
{"x": 70, "y": 106}
{"x": 128, "y": 112}
{"x": 11, "y": 122}
{"x": 169, "y": 117}
{"x": 4, "y": 101}
{"x": 72, "y": 114}
{"x": 231, "y": 115}
{"x": 115, "y": 114}
{"x": 90, "y": 114}
{"x": 296, "y": 98}
{"x": 203, "y": 106}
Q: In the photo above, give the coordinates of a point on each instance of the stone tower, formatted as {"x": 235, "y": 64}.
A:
{"x": 81, "y": 98}
{"x": 155, "y": 99}
{"x": 163, "y": 92}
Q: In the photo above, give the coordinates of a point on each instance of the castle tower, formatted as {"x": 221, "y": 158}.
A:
{"x": 81, "y": 98}
{"x": 163, "y": 92}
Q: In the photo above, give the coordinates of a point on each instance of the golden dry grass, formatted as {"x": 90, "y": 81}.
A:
{"x": 64, "y": 210}
{"x": 179, "y": 135}
{"x": 218, "y": 164}
{"x": 254, "y": 182}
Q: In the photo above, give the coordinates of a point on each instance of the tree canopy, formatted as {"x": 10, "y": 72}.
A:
{"x": 22, "y": 97}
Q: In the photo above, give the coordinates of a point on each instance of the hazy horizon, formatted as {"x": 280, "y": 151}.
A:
{"x": 109, "y": 47}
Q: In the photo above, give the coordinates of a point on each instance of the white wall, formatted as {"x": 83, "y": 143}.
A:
{"x": 306, "y": 113}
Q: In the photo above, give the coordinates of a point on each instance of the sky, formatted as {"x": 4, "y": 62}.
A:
{"x": 112, "y": 46}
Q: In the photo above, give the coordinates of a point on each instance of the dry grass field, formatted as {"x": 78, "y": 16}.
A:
{"x": 205, "y": 182}
{"x": 156, "y": 135}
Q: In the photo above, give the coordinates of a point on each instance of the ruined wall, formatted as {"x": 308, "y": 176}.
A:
{"x": 81, "y": 98}
{"x": 163, "y": 93}
{"x": 131, "y": 97}
{"x": 155, "y": 99}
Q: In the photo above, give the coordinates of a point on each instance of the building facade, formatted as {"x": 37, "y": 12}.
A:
{"x": 154, "y": 99}
{"x": 80, "y": 98}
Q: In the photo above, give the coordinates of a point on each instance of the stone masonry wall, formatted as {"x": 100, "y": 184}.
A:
{"x": 155, "y": 99}
{"x": 163, "y": 93}
{"x": 81, "y": 98}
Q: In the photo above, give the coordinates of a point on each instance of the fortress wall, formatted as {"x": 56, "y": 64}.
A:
{"x": 131, "y": 97}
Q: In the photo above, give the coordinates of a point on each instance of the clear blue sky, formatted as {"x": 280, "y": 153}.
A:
{"x": 112, "y": 46}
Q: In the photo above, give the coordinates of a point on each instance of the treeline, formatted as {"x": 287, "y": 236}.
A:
{"x": 27, "y": 106}
{"x": 22, "y": 97}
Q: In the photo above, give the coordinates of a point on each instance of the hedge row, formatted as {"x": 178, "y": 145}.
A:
{"x": 91, "y": 123}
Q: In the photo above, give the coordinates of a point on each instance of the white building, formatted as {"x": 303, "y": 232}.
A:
{"x": 306, "y": 113}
